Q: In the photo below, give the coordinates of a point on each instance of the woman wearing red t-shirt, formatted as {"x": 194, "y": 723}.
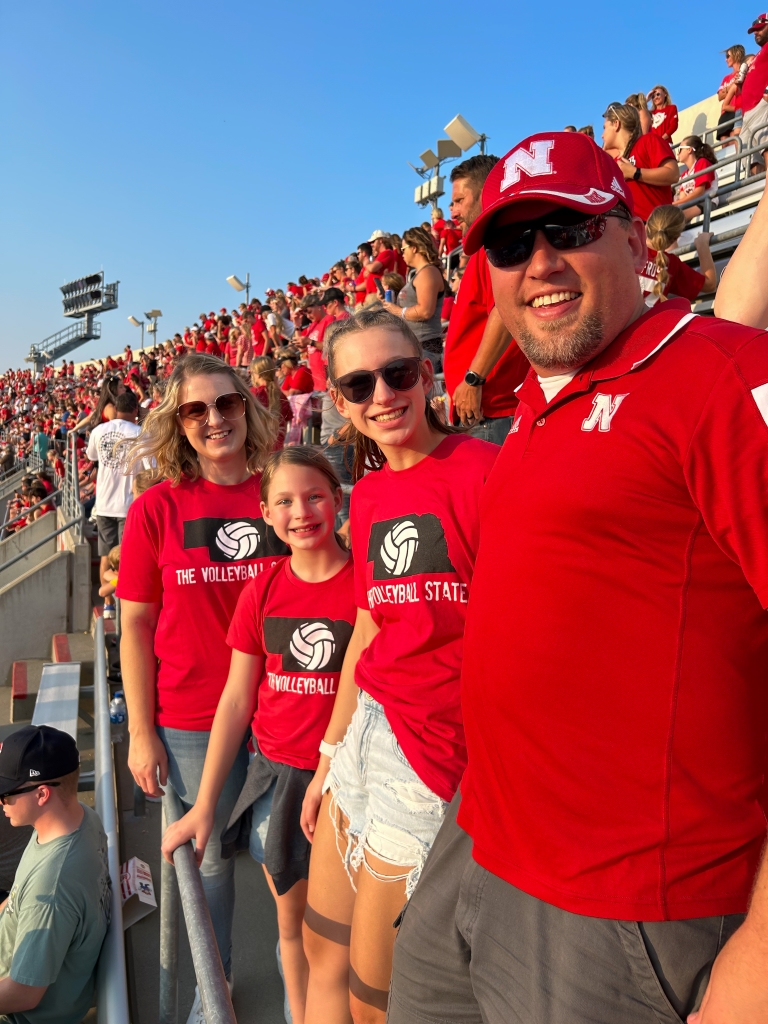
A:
{"x": 665, "y": 273}
{"x": 647, "y": 162}
{"x": 663, "y": 113}
{"x": 394, "y": 751}
{"x": 697, "y": 156}
{"x": 288, "y": 637}
{"x": 266, "y": 391}
{"x": 191, "y": 543}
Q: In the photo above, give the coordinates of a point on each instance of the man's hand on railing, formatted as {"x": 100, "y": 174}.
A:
{"x": 148, "y": 761}
{"x": 196, "y": 825}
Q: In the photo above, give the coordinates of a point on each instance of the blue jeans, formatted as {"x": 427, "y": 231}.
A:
{"x": 186, "y": 756}
{"x": 493, "y": 429}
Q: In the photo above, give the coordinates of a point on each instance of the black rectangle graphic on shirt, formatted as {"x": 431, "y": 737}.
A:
{"x": 234, "y": 539}
{"x": 408, "y": 546}
{"x": 308, "y": 644}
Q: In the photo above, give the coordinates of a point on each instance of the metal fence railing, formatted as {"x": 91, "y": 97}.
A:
{"x": 182, "y": 884}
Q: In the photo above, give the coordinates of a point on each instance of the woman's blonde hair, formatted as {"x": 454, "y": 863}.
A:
{"x": 629, "y": 119}
{"x": 638, "y": 100}
{"x": 265, "y": 367}
{"x": 367, "y": 454}
{"x": 168, "y": 451}
{"x": 667, "y": 98}
{"x": 424, "y": 244}
{"x": 738, "y": 53}
{"x": 664, "y": 227}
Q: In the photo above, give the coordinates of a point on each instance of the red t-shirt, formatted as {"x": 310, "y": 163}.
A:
{"x": 303, "y": 629}
{"x": 465, "y": 332}
{"x": 315, "y": 335}
{"x": 300, "y": 380}
{"x": 707, "y": 180}
{"x": 193, "y": 548}
{"x": 683, "y": 279}
{"x": 649, "y": 151}
{"x": 388, "y": 260}
{"x": 614, "y": 681}
{"x": 438, "y": 226}
{"x": 414, "y": 536}
{"x": 451, "y": 237}
{"x": 664, "y": 121}
{"x": 756, "y": 81}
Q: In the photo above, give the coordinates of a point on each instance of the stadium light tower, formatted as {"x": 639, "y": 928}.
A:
{"x": 238, "y": 285}
{"x": 461, "y": 136}
{"x": 153, "y": 315}
{"x": 138, "y": 323}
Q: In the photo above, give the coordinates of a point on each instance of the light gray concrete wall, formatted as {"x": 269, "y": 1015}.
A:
{"x": 22, "y": 539}
{"x": 32, "y": 609}
{"x": 80, "y": 604}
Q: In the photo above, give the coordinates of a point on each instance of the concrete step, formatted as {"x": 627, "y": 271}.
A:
{"x": 75, "y": 647}
{"x": 25, "y": 683}
{"x": 109, "y": 624}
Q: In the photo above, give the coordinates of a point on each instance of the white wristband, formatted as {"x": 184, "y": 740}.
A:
{"x": 329, "y": 749}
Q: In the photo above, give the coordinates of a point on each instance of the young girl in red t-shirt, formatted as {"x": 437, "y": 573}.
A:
{"x": 288, "y": 637}
{"x": 394, "y": 751}
{"x": 697, "y": 156}
{"x": 665, "y": 273}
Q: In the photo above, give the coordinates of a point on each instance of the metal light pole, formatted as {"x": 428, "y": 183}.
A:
{"x": 238, "y": 285}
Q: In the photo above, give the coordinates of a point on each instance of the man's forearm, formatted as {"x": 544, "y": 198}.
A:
{"x": 757, "y": 915}
{"x": 741, "y": 296}
{"x": 16, "y": 998}
{"x": 493, "y": 345}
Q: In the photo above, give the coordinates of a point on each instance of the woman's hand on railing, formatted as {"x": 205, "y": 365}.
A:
{"x": 196, "y": 824}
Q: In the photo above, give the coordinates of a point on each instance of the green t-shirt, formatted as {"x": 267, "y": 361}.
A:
{"x": 55, "y": 920}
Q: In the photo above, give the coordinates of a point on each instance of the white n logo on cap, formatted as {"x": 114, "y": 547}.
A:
{"x": 533, "y": 161}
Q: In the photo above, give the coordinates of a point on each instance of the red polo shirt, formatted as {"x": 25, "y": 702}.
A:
{"x": 465, "y": 332}
{"x": 614, "y": 682}
{"x": 756, "y": 81}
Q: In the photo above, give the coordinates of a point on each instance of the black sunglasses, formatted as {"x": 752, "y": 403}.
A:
{"x": 229, "y": 407}
{"x": 564, "y": 229}
{"x": 399, "y": 374}
{"x": 26, "y": 789}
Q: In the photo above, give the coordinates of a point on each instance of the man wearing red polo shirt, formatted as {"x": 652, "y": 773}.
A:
{"x": 754, "y": 95}
{"x": 612, "y": 815}
{"x": 482, "y": 364}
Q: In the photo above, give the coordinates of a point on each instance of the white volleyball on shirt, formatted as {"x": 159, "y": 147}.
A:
{"x": 399, "y": 547}
{"x": 237, "y": 539}
{"x": 312, "y": 645}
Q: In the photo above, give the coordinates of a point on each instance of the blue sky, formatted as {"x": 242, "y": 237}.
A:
{"x": 173, "y": 144}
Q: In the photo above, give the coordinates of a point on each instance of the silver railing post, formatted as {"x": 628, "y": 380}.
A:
{"x": 111, "y": 982}
{"x": 209, "y": 971}
{"x": 169, "y": 941}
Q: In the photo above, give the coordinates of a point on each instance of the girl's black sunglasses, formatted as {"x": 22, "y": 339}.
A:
{"x": 564, "y": 229}
{"x": 399, "y": 374}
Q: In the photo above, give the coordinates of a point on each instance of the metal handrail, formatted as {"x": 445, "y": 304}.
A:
{"x": 209, "y": 970}
{"x": 706, "y": 200}
{"x": 38, "y": 544}
{"x": 111, "y": 979}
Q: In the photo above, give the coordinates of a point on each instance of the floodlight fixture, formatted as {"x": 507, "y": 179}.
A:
{"x": 88, "y": 295}
{"x": 446, "y": 149}
{"x": 238, "y": 285}
{"x": 138, "y": 323}
{"x": 429, "y": 159}
{"x": 153, "y": 314}
{"x": 463, "y": 134}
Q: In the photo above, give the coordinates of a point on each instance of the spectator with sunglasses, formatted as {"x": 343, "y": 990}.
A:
{"x": 191, "y": 543}
{"x": 647, "y": 162}
{"x": 610, "y": 829}
{"x": 663, "y": 114}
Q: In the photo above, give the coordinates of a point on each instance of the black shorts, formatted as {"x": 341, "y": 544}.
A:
{"x": 110, "y": 533}
{"x": 473, "y": 949}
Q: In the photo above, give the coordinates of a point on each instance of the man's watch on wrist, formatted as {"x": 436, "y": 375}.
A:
{"x": 474, "y": 379}
{"x": 636, "y": 175}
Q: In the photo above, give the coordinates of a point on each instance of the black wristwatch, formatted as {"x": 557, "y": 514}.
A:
{"x": 636, "y": 175}
{"x": 474, "y": 379}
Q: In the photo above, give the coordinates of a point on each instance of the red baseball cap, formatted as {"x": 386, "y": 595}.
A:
{"x": 565, "y": 168}
{"x": 760, "y": 20}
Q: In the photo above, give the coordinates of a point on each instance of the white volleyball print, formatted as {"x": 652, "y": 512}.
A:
{"x": 312, "y": 645}
{"x": 399, "y": 547}
{"x": 237, "y": 539}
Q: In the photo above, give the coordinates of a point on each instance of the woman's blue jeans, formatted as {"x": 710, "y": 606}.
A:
{"x": 186, "y": 756}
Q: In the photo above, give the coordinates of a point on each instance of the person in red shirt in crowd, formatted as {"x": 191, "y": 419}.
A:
{"x": 663, "y": 114}
{"x": 393, "y": 753}
{"x": 611, "y": 818}
{"x": 334, "y": 305}
{"x": 297, "y": 380}
{"x": 365, "y": 255}
{"x": 729, "y": 92}
{"x": 295, "y": 619}
{"x": 383, "y": 259}
{"x": 191, "y": 544}
{"x": 450, "y": 238}
{"x": 401, "y": 267}
{"x": 320, "y": 320}
{"x": 646, "y": 161}
{"x": 665, "y": 273}
{"x": 754, "y": 97}
{"x": 482, "y": 364}
{"x": 212, "y": 347}
{"x": 438, "y": 224}
{"x": 266, "y": 391}
{"x": 697, "y": 156}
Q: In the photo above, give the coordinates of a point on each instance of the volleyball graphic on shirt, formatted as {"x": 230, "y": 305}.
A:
{"x": 238, "y": 539}
{"x": 399, "y": 547}
{"x": 313, "y": 645}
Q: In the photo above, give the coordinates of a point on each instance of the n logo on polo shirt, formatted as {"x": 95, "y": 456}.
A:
{"x": 534, "y": 161}
{"x": 604, "y": 408}
{"x": 408, "y": 546}
{"x": 307, "y": 645}
{"x": 232, "y": 540}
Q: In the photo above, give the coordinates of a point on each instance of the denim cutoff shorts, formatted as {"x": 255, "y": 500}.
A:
{"x": 391, "y": 812}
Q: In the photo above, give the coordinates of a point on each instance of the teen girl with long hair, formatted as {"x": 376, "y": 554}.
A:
{"x": 697, "y": 156}
{"x": 646, "y": 161}
{"x": 665, "y": 273}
